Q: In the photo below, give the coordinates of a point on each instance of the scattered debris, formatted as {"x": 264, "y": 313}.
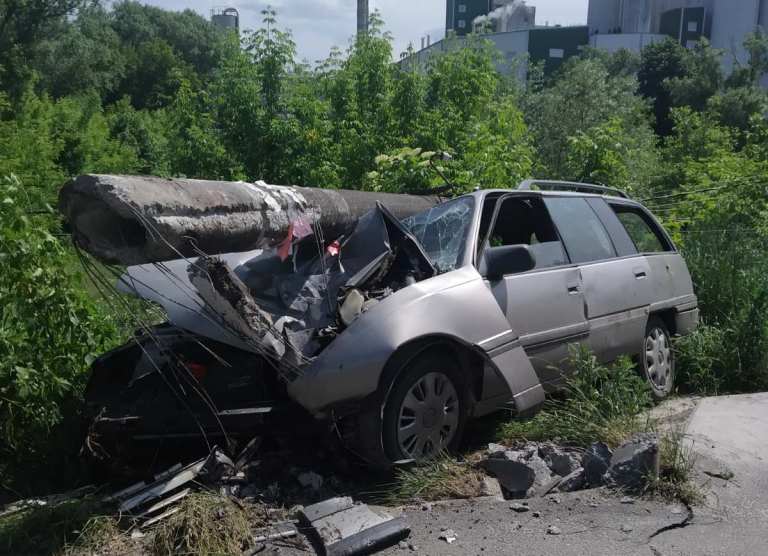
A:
{"x": 519, "y": 508}
{"x": 345, "y": 528}
{"x": 448, "y": 536}
{"x": 626, "y": 528}
{"x": 553, "y": 530}
{"x": 635, "y": 461}
{"x": 536, "y": 514}
{"x": 627, "y": 500}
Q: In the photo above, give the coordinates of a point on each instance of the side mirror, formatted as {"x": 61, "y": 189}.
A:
{"x": 507, "y": 259}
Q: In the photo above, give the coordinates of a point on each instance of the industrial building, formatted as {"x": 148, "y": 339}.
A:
{"x": 226, "y": 18}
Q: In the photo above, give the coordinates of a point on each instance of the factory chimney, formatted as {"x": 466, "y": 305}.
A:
{"x": 362, "y": 16}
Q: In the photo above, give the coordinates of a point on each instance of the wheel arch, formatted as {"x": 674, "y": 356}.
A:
{"x": 469, "y": 358}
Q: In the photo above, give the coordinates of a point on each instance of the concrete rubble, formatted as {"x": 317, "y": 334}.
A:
{"x": 537, "y": 469}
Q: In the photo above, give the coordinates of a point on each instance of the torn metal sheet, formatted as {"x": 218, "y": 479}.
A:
{"x": 163, "y": 486}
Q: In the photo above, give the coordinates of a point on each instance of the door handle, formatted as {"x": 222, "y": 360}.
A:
{"x": 639, "y": 273}
{"x": 573, "y": 290}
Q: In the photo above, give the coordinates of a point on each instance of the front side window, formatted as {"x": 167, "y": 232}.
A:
{"x": 525, "y": 221}
{"x": 643, "y": 234}
{"x": 584, "y": 235}
{"x": 443, "y": 231}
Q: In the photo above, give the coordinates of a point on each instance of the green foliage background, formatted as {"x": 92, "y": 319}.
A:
{"x": 137, "y": 89}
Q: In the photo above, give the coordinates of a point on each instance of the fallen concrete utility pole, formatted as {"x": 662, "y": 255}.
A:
{"x": 136, "y": 220}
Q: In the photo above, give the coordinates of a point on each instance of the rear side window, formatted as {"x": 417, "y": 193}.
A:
{"x": 584, "y": 236}
{"x": 644, "y": 234}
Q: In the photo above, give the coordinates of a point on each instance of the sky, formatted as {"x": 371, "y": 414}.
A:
{"x": 317, "y": 25}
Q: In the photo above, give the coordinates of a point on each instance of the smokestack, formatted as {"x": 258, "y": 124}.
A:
{"x": 362, "y": 16}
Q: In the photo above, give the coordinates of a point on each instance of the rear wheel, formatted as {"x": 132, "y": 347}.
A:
{"x": 657, "y": 360}
{"x": 426, "y": 409}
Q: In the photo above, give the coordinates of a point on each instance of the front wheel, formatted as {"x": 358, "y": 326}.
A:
{"x": 657, "y": 361}
{"x": 426, "y": 409}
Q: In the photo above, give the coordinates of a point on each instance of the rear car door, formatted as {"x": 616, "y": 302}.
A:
{"x": 545, "y": 306}
{"x": 616, "y": 277}
{"x": 668, "y": 275}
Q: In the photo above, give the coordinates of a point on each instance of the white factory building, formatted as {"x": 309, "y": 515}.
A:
{"x": 631, "y": 24}
{"x": 611, "y": 25}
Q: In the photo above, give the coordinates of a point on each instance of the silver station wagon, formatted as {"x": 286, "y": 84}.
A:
{"x": 408, "y": 328}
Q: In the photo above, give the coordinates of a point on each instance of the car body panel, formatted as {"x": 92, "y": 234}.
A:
{"x": 457, "y": 305}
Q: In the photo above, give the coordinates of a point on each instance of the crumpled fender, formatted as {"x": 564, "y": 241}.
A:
{"x": 458, "y": 305}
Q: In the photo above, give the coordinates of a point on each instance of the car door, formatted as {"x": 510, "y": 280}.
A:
{"x": 545, "y": 306}
{"x": 616, "y": 279}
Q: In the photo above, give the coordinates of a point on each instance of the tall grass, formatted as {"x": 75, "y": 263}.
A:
{"x": 729, "y": 266}
{"x": 602, "y": 402}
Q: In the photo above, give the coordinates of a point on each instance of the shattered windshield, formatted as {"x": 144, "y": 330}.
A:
{"x": 442, "y": 231}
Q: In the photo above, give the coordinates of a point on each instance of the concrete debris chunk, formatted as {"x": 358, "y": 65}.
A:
{"x": 343, "y": 528}
{"x": 560, "y": 462}
{"x": 515, "y": 477}
{"x": 492, "y": 487}
{"x": 519, "y": 508}
{"x": 596, "y": 461}
{"x": 573, "y": 481}
{"x": 553, "y": 530}
{"x": 635, "y": 461}
{"x": 448, "y": 536}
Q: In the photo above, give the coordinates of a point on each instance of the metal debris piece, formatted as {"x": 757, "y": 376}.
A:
{"x": 163, "y": 486}
{"x": 166, "y": 502}
{"x": 156, "y": 519}
{"x": 275, "y": 532}
{"x": 344, "y": 528}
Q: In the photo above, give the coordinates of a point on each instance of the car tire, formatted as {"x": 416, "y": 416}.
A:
{"x": 657, "y": 359}
{"x": 426, "y": 409}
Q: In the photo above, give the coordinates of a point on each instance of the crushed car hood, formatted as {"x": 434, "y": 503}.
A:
{"x": 267, "y": 302}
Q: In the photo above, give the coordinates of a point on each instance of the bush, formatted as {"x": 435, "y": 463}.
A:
{"x": 602, "y": 403}
{"x": 699, "y": 362}
{"x": 50, "y": 331}
{"x": 729, "y": 265}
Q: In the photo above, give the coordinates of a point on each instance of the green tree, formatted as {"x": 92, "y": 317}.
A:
{"x": 660, "y": 62}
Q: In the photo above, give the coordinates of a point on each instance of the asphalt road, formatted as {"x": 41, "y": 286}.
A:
{"x": 728, "y": 434}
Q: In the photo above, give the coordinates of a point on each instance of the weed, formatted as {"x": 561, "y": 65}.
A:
{"x": 437, "y": 479}
{"x": 602, "y": 402}
{"x": 699, "y": 362}
{"x": 205, "y": 524}
{"x": 675, "y": 480}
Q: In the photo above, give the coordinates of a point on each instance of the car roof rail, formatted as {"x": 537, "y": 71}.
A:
{"x": 555, "y": 185}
